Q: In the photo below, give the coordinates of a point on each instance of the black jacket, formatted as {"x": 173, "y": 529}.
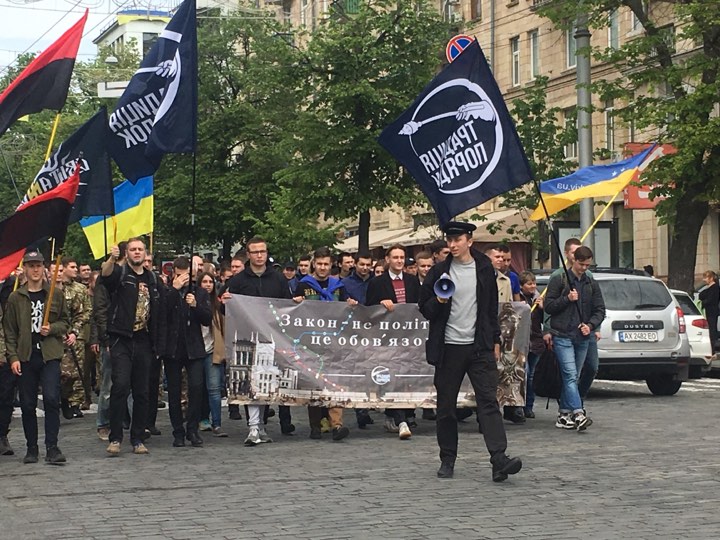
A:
{"x": 381, "y": 288}
{"x": 710, "y": 296}
{"x": 564, "y": 317}
{"x": 270, "y": 284}
{"x": 487, "y": 328}
{"x": 122, "y": 286}
{"x": 184, "y": 322}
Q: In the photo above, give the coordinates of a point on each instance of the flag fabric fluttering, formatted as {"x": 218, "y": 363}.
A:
{"x": 458, "y": 140}
{"x": 157, "y": 113}
{"x": 133, "y": 217}
{"x": 88, "y": 145}
{"x": 594, "y": 181}
{"x": 45, "y": 215}
{"x": 44, "y": 83}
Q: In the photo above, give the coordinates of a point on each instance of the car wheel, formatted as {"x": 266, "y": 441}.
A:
{"x": 663, "y": 385}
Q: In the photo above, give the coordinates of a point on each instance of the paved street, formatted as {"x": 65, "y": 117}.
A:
{"x": 647, "y": 468}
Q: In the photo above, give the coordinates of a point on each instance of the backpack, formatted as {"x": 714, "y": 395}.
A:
{"x": 547, "y": 381}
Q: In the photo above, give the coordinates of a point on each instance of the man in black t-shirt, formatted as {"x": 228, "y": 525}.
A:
{"x": 132, "y": 326}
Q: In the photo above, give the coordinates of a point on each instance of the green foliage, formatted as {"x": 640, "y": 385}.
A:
{"x": 544, "y": 141}
{"x": 360, "y": 73}
{"x": 670, "y": 90}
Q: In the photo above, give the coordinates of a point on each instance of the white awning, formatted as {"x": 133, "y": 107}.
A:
{"x": 377, "y": 238}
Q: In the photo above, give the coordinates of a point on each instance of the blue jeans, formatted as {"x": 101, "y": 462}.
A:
{"x": 571, "y": 357}
{"x": 532, "y": 362}
{"x": 103, "y": 415}
{"x": 213, "y": 380}
{"x": 590, "y": 369}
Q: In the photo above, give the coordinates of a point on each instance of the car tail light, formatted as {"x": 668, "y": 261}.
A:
{"x": 701, "y": 323}
{"x": 681, "y": 320}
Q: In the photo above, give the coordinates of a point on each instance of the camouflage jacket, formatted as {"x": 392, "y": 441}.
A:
{"x": 79, "y": 306}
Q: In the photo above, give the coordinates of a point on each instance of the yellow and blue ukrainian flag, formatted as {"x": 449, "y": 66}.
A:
{"x": 593, "y": 181}
{"x": 133, "y": 217}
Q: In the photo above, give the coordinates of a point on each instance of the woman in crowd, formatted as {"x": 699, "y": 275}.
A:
{"x": 710, "y": 297}
{"x": 528, "y": 292}
{"x": 215, "y": 349}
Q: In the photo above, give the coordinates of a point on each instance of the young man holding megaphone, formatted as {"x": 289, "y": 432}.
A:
{"x": 459, "y": 297}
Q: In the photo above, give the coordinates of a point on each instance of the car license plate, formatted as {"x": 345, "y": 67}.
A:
{"x": 627, "y": 337}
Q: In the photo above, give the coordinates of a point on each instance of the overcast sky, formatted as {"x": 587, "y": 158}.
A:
{"x": 21, "y": 24}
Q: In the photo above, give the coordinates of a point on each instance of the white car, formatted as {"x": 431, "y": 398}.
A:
{"x": 701, "y": 354}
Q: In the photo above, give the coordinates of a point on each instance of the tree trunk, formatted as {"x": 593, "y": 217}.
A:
{"x": 689, "y": 218}
{"x": 364, "y": 232}
{"x": 226, "y": 247}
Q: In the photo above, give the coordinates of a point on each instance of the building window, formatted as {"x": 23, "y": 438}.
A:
{"x": 614, "y": 30}
{"x": 570, "y": 48}
{"x": 610, "y": 125}
{"x": 534, "y": 38}
{"x": 149, "y": 39}
{"x": 351, "y": 7}
{"x": 515, "y": 59}
{"x": 570, "y": 121}
{"x": 304, "y": 7}
{"x": 476, "y": 9}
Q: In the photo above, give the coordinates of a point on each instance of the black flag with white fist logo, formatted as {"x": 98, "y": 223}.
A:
{"x": 457, "y": 139}
{"x": 157, "y": 113}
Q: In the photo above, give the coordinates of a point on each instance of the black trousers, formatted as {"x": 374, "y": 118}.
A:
{"x": 7, "y": 396}
{"x": 196, "y": 382}
{"x": 130, "y": 360}
{"x": 153, "y": 390}
{"x": 36, "y": 372}
{"x": 481, "y": 368}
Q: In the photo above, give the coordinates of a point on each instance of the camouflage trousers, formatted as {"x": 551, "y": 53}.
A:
{"x": 71, "y": 385}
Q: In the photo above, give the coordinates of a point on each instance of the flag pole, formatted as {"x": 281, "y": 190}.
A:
{"x": 192, "y": 213}
{"x": 52, "y": 136}
{"x": 105, "y": 233}
{"x": 556, "y": 240}
{"x": 48, "y": 304}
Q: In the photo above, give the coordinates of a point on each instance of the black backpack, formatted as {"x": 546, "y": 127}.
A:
{"x": 547, "y": 381}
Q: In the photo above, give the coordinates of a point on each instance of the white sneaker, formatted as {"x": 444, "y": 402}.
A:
{"x": 253, "y": 437}
{"x": 404, "y": 431}
{"x": 581, "y": 421}
{"x": 263, "y": 437}
{"x": 390, "y": 426}
{"x": 565, "y": 421}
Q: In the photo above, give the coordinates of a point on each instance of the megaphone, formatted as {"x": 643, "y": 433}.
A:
{"x": 444, "y": 287}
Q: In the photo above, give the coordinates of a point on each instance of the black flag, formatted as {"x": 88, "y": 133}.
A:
{"x": 458, "y": 140}
{"x": 88, "y": 145}
{"x": 157, "y": 113}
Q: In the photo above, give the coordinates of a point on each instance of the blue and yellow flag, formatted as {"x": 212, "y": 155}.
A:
{"x": 133, "y": 217}
{"x": 593, "y": 181}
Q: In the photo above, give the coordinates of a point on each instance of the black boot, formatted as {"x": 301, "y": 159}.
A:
{"x": 286, "y": 428}
{"x": 76, "y": 412}
{"x": 447, "y": 469}
{"x": 502, "y": 466}
{"x": 66, "y": 410}
{"x": 234, "y": 412}
{"x": 31, "y": 456}
{"x": 54, "y": 456}
{"x": 194, "y": 439}
{"x": 5, "y": 448}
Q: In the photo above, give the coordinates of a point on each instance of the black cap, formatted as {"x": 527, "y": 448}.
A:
{"x": 289, "y": 264}
{"x": 409, "y": 261}
{"x": 456, "y": 228}
{"x": 33, "y": 255}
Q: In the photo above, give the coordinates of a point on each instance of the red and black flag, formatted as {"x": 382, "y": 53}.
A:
{"x": 45, "y": 215}
{"x": 44, "y": 83}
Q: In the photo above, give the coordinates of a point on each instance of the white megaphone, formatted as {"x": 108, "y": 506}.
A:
{"x": 444, "y": 287}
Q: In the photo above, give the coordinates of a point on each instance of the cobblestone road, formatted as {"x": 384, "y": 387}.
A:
{"x": 646, "y": 469}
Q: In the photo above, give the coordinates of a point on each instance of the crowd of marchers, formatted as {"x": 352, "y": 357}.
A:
{"x": 126, "y": 333}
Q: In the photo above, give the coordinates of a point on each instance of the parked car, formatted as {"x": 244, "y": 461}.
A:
{"x": 701, "y": 354}
{"x": 644, "y": 334}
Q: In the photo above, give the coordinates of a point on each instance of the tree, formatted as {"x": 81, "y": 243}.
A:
{"x": 667, "y": 81}
{"x": 246, "y": 99}
{"x": 544, "y": 142}
{"x": 361, "y": 72}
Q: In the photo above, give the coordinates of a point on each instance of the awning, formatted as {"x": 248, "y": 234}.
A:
{"x": 377, "y": 238}
{"x": 426, "y": 235}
